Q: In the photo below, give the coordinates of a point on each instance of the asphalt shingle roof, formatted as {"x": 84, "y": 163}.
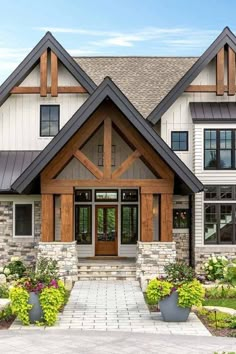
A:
{"x": 144, "y": 80}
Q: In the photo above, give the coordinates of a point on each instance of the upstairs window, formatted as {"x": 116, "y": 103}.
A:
{"x": 179, "y": 141}
{"x": 49, "y": 120}
{"x": 219, "y": 149}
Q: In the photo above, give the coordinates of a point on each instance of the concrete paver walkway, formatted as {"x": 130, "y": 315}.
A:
{"x": 119, "y": 306}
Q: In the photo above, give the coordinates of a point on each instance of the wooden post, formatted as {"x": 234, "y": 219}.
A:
{"x": 231, "y": 72}
{"x": 220, "y": 72}
{"x": 67, "y": 217}
{"x": 166, "y": 217}
{"x": 146, "y": 217}
{"x": 107, "y": 148}
{"x": 47, "y": 219}
{"x": 43, "y": 74}
{"x": 54, "y": 75}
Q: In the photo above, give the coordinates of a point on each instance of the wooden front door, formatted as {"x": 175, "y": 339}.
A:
{"x": 106, "y": 230}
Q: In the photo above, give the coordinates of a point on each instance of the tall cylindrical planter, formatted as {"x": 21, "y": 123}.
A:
{"x": 36, "y": 313}
{"x": 170, "y": 310}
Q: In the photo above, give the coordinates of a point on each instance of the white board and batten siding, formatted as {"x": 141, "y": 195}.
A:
{"x": 20, "y": 113}
{"x": 178, "y": 118}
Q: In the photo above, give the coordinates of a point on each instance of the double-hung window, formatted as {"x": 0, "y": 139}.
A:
{"x": 23, "y": 220}
{"x": 49, "y": 120}
{"x": 219, "y": 149}
{"x": 220, "y": 215}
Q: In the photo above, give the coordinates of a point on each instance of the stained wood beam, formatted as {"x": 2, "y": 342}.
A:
{"x": 107, "y": 147}
{"x": 220, "y": 72}
{"x": 54, "y": 75}
{"x": 36, "y": 90}
{"x": 67, "y": 217}
{"x": 148, "y": 186}
{"x": 47, "y": 218}
{"x": 88, "y": 164}
{"x": 146, "y": 217}
{"x": 43, "y": 74}
{"x": 203, "y": 88}
{"x": 126, "y": 164}
{"x": 166, "y": 217}
{"x": 231, "y": 72}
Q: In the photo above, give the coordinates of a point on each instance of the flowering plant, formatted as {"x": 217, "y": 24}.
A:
{"x": 214, "y": 267}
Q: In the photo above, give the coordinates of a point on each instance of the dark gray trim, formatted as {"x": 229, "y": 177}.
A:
{"x": 226, "y": 37}
{"x": 32, "y": 59}
{"x": 107, "y": 89}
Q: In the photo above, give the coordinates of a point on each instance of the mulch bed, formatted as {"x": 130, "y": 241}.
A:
{"x": 218, "y": 332}
{"x": 6, "y": 324}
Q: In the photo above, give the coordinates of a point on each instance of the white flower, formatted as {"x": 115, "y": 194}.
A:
{"x": 210, "y": 268}
{"x": 214, "y": 260}
{"x": 15, "y": 259}
{"x": 1, "y": 269}
{"x": 7, "y": 271}
{"x": 206, "y": 265}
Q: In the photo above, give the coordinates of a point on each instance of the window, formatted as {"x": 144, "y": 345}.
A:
{"x": 219, "y": 149}
{"x": 83, "y": 195}
{"x": 180, "y": 218}
{"x": 100, "y": 155}
{"x": 129, "y": 195}
{"x": 106, "y": 195}
{"x": 220, "y": 212}
{"x": 179, "y": 141}
{"x": 129, "y": 224}
{"x": 49, "y": 120}
{"x": 23, "y": 223}
{"x": 83, "y": 224}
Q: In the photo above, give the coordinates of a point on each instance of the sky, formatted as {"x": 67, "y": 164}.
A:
{"x": 112, "y": 27}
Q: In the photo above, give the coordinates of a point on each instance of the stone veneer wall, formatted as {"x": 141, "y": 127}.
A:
{"x": 201, "y": 254}
{"x": 182, "y": 246}
{"x": 151, "y": 259}
{"x": 23, "y": 247}
{"x": 66, "y": 255}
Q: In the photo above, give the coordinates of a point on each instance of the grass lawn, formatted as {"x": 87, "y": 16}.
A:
{"x": 221, "y": 302}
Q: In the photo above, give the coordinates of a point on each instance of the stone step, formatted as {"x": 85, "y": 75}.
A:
{"x": 104, "y": 277}
{"x": 106, "y": 271}
{"x": 106, "y": 267}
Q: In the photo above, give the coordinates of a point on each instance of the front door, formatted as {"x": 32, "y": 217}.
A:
{"x": 106, "y": 230}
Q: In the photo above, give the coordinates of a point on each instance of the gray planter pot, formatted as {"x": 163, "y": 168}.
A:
{"x": 36, "y": 313}
{"x": 170, "y": 310}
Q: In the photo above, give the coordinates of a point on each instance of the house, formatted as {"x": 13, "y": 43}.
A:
{"x": 119, "y": 156}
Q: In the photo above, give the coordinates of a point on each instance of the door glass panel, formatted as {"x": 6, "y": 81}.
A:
{"x": 129, "y": 224}
{"x": 83, "y": 224}
{"x": 106, "y": 224}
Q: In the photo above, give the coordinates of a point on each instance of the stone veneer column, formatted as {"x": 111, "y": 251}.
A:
{"x": 66, "y": 255}
{"x": 151, "y": 259}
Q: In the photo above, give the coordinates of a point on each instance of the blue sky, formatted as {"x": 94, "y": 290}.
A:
{"x": 112, "y": 27}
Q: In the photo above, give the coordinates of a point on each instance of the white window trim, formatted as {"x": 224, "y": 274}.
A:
{"x": 18, "y": 237}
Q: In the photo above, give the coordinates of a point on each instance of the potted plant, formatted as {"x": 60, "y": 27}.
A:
{"x": 176, "y": 293}
{"x": 39, "y": 295}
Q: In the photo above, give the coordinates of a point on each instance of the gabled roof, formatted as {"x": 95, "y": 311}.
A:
{"x": 32, "y": 59}
{"x": 107, "y": 89}
{"x": 226, "y": 37}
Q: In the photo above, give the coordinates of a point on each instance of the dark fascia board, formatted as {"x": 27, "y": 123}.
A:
{"x": 226, "y": 37}
{"x": 26, "y": 66}
{"x": 107, "y": 89}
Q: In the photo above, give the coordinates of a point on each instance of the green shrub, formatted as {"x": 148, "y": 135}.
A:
{"x": 190, "y": 293}
{"x": 47, "y": 269}
{"x": 6, "y": 314}
{"x": 214, "y": 267}
{"x": 230, "y": 273}
{"x": 157, "y": 290}
{"x": 4, "y": 292}
{"x": 220, "y": 292}
{"x": 217, "y": 319}
{"x": 179, "y": 273}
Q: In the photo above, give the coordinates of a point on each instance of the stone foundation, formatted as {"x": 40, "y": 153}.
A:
{"x": 203, "y": 253}
{"x": 66, "y": 255}
{"x": 151, "y": 259}
{"x": 182, "y": 246}
{"x": 20, "y": 247}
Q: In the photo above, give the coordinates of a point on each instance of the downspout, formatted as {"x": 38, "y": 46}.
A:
{"x": 190, "y": 229}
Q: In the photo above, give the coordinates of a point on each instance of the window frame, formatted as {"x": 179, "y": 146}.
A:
{"x": 40, "y": 120}
{"x": 218, "y": 149}
{"x": 128, "y": 191}
{"x": 14, "y": 220}
{"x": 187, "y": 139}
{"x": 105, "y": 191}
{"x": 90, "y": 193}
{"x": 136, "y": 206}
{"x": 89, "y": 206}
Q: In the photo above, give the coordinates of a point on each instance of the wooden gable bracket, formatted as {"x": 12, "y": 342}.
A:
{"x": 88, "y": 164}
{"x": 126, "y": 164}
{"x": 44, "y": 89}
{"x": 220, "y": 88}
